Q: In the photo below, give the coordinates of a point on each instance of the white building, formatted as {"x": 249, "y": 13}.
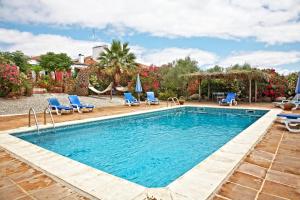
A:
{"x": 34, "y": 60}
{"x": 97, "y": 50}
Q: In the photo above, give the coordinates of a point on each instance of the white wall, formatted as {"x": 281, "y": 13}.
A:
{"x": 97, "y": 50}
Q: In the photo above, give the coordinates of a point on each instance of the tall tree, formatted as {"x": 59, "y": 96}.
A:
{"x": 172, "y": 78}
{"x": 52, "y": 61}
{"x": 216, "y": 68}
{"x": 237, "y": 67}
{"x": 18, "y": 58}
{"x": 117, "y": 60}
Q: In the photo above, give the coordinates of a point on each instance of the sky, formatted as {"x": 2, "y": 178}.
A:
{"x": 263, "y": 33}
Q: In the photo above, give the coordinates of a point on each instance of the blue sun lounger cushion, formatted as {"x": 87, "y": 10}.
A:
{"x": 130, "y": 100}
{"x": 54, "y": 104}
{"x": 77, "y": 105}
{"x": 151, "y": 99}
{"x": 229, "y": 100}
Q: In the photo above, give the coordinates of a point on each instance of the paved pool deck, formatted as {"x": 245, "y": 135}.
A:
{"x": 270, "y": 171}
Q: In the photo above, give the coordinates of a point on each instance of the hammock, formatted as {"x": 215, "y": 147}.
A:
{"x": 122, "y": 89}
{"x": 109, "y": 88}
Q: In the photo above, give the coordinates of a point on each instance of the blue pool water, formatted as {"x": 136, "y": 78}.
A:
{"x": 150, "y": 149}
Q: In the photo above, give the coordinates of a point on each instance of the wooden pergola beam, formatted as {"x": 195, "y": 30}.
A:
{"x": 249, "y": 75}
{"x": 199, "y": 89}
{"x": 255, "y": 94}
{"x": 250, "y": 90}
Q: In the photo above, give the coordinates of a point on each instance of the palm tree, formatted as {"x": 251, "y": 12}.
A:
{"x": 117, "y": 60}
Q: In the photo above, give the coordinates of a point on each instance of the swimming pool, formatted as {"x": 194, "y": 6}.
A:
{"x": 151, "y": 149}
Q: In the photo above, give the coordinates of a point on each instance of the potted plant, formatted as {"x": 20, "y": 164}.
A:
{"x": 288, "y": 106}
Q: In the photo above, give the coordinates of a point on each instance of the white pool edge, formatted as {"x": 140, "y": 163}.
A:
{"x": 198, "y": 183}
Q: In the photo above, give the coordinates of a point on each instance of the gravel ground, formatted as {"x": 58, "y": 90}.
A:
{"x": 39, "y": 102}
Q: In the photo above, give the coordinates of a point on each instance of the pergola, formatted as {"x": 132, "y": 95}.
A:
{"x": 250, "y": 75}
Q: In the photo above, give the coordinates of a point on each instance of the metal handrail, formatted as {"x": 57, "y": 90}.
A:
{"x": 170, "y": 98}
{"x": 174, "y": 100}
{"x": 177, "y": 100}
{"x": 45, "y": 117}
{"x": 29, "y": 118}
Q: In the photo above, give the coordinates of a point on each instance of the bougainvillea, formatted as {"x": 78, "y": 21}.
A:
{"x": 150, "y": 78}
{"x": 193, "y": 87}
{"x": 9, "y": 79}
{"x": 276, "y": 86}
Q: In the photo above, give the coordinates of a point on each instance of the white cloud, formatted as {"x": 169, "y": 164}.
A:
{"x": 39, "y": 44}
{"x": 164, "y": 56}
{"x": 32, "y": 45}
{"x": 264, "y": 59}
{"x": 266, "y": 20}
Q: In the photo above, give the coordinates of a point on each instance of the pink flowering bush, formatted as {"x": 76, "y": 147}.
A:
{"x": 9, "y": 79}
{"x": 276, "y": 86}
{"x": 150, "y": 78}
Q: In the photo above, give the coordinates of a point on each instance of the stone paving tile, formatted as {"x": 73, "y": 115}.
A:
{"x": 36, "y": 183}
{"x": 219, "y": 198}
{"x": 11, "y": 192}
{"x": 290, "y": 145}
{"x": 289, "y": 152}
{"x": 23, "y": 175}
{"x": 17, "y": 167}
{"x": 262, "y": 154}
{"x": 252, "y": 169}
{"x": 291, "y": 166}
{"x": 75, "y": 197}
{"x": 25, "y": 198}
{"x": 284, "y": 178}
{"x": 263, "y": 196}
{"x": 285, "y": 158}
{"x": 246, "y": 180}
{"x": 264, "y": 146}
{"x": 258, "y": 160}
{"x": 4, "y": 182}
{"x": 281, "y": 190}
{"x": 55, "y": 191}
{"x": 5, "y": 158}
{"x": 19, "y": 181}
{"x": 234, "y": 191}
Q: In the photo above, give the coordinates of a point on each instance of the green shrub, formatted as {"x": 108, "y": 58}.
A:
{"x": 165, "y": 95}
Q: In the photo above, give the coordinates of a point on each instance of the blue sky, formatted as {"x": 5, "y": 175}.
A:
{"x": 263, "y": 33}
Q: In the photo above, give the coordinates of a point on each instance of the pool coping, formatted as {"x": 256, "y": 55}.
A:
{"x": 200, "y": 182}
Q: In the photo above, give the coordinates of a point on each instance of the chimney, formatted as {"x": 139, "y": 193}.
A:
{"x": 81, "y": 58}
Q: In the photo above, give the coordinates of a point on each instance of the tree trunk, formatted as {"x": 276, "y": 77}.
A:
{"x": 255, "y": 94}
{"x": 117, "y": 78}
{"x": 199, "y": 90}
{"x": 208, "y": 90}
{"x": 250, "y": 89}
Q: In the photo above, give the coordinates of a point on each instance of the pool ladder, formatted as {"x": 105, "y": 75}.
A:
{"x": 35, "y": 118}
{"x": 173, "y": 100}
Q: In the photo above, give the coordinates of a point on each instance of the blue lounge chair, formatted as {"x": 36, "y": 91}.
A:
{"x": 291, "y": 121}
{"x": 289, "y": 116}
{"x": 130, "y": 100}
{"x": 77, "y": 105}
{"x": 229, "y": 100}
{"x": 54, "y": 104}
{"x": 151, "y": 98}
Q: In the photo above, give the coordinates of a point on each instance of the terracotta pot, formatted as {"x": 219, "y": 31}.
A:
{"x": 288, "y": 106}
{"x": 181, "y": 102}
